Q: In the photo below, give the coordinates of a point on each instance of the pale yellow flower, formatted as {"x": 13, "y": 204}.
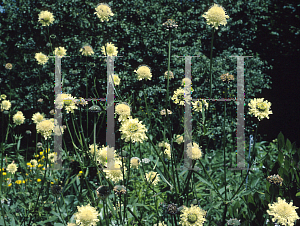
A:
{"x": 143, "y": 72}
{"x": 167, "y": 148}
{"x": 86, "y": 216}
{"x": 283, "y": 212}
{"x": 33, "y": 162}
{"x": 216, "y": 16}
{"x": 103, "y": 11}
{"x": 180, "y": 97}
{"x": 5, "y": 105}
{"x": 160, "y": 224}
{"x": 60, "y": 51}
{"x": 12, "y": 168}
{"x": 116, "y": 80}
{"x": 52, "y": 157}
{"x": 133, "y": 130}
{"x": 41, "y": 58}
{"x": 123, "y": 110}
{"x": 45, "y": 128}
{"x": 3, "y": 97}
{"x": 18, "y": 118}
{"x": 67, "y": 101}
{"x": 152, "y": 177}
{"x": 163, "y": 112}
{"x": 46, "y": 18}
{"x": 260, "y": 108}
{"x": 87, "y": 50}
{"x": 37, "y": 117}
{"x": 8, "y": 66}
{"x": 135, "y": 162}
{"x": 193, "y": 216}
{"x": 115, "y": 174}
{"x": 193, "y": 151}
{"x": 197, "y": 105}
{"x": 110, "y": 50}
{"x": 186, "y": 81}
{"x": 179, "y": 139}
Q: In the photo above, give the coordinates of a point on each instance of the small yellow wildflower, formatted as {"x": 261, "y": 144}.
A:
{"x": 38, "y": 180}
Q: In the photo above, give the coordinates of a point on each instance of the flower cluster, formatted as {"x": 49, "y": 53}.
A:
{"x": 46, "y": 18}
{"x": 18, "y": 118}
{"x": 60, "y": 51}
{"x": 180, "y": 97}
{"x": 67, "y": 101}
{"x": 283, "y": 212}
{"x": 216, "y": 16}
{"x": 86, "y": 216}
{"x": 260, "y": 108}
{"x": 275, "y": 179}
{"x": 135, "y": 162}
{"x": 133, "y": 130}
{"x": 227, "y": 77}
{"x": 86, "y": 50}
{"x": 123, "y": 110}
{"x": 170, "y": 24}
{"x": 152, "y": 177}
{"x": 197, "y": 105}
{"x": 193, "y": 216}
{"x": 45, "y": 128}
{"x": 5, "y": 105}
{"x": 41, "y": 58}
{"x": 193, "y": 151}
{"x": 37, "y": 117}
{"x": 109, "y": 50}
{"x": 143, "y": 72}
{"x": 116, "y": 173}
{"x": 103, "y": 12}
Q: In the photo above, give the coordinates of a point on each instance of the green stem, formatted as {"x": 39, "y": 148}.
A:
{"x": 224, "y": 163}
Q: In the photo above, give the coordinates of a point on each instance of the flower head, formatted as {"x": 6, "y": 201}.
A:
{"x": 87, "y": 50}
{"x": 194, "y": 152}
{"x": 172, "y": 209}
{"x": 227, "y": 77}
{"x": 5, "y": 105}
{"x": 179, "y": 139}
{"x": 143, "y": 72}
{"x": 8, "y": 66}
{"x": 216, "y": 16}
{"x": 19, "y": 118}
{"x": 135, "y": 162}
{"x": 180, "y": 97}
{"x": 198, "y": 105}
{"x": 170, "y": 24}
{"x": 86, "y": 216}
{"x": 33, "y": 162}
{"x": 163, "y": 112}
{"x": 60, "y": 51}
{"x": 283, "y": 212}
{"x": 186, "y": 82}
{"x": 37, "y": 117}
{"x": 103, "y": 11}
{"x": 52, "y": 157}
{"x": 120, "y": 190}
{"x": 115, "y": 174}
{"x": 152, "y": 177}
{"x": 193, "y": 216}
{"x": 45, "y": 128}
{"x": 110, "y": 50}
{"x": 171, "y": 75}
{"x": 275, "y": 179}
{"x": 260, "y": 108}
{"x": 133, "y": 130}
{"x": 123, "y": 110}
{"x": 41, "y": 58}
{"x": 46, "y": 18}
{"x": 12, "y": 168}
{"x": 116, "y": 80}
{"x": 3, "y": 97}
{"x": 167, "y": 148}
{"x": 67, "y": 101}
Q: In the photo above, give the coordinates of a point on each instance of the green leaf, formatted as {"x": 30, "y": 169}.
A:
{"x": 288, "y": 145}
{"x": 281, "y": 142}
{"x": 298, "y": 194}
{"x": 280, "y": 157}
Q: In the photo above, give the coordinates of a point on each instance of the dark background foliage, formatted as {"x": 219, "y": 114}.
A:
{"x": 266, "y": 30}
